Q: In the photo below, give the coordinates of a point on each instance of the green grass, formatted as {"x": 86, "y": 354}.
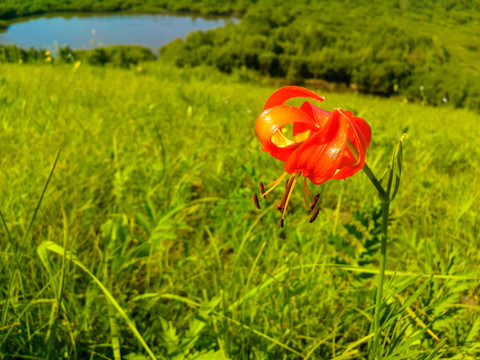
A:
{"x": 147, "y": 237}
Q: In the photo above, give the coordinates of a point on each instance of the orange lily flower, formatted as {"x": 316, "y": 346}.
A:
{"x": 325, "y": 145}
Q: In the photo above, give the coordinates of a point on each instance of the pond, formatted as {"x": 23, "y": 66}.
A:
{"x": 79, "y": 31}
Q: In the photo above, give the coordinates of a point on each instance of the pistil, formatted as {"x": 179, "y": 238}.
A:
{"x": 281, "y": 204}
{"x": 290, "y": 190}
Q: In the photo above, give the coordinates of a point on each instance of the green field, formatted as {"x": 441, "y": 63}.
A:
{"x": 147, "y": 236}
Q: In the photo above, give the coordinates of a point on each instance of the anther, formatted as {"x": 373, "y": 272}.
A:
{"x": 315, "y": 201}
{"x": 315, "y": 214}
{"x": 281, "y": 222}
{"x": 262, "y": 189}
{"x": 255, "y": 199}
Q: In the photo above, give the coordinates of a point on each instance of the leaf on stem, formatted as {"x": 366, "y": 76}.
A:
{"x": 394, "y": 171}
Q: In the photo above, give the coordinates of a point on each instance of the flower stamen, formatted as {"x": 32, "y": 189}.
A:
{"x": 314, "y": 202}
{"x": 262, "y": 189}
{"x": 308, "y": 190}
{"x": 315, "y": 214}
{"x": 274, "y": 184}
{"x": 305, "y": 188}
{"x": 255, "y": 200}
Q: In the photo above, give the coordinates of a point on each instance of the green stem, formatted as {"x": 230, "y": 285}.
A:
{"x": 383, "y": 261}
{"x": 381, "y": 277}
{"x": 385, "y": 196}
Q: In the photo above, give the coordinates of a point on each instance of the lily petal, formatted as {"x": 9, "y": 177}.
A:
{"x": 318, "y": 158}
{"x": 319, "y": 115}
{"x": 358, "y": 135}
{"x": 288, "y": 92}
{"x": 269, "y": 129}
{"x": 302, "y": 132}
{"x": 362, "y": 124}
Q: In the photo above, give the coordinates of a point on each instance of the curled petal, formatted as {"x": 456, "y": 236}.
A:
{"x": 358, "y": 134}
{"x": 302, "y": 132}
{"x": 319, "y": 115}
{"x": 319, "y": 157}
{"x": 288, "y": 92}
{"x": 269, "y": 129}
{"x": 362, "y": 125}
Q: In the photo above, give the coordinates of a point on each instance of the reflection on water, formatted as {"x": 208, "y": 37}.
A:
{"x": 86, "y": 32}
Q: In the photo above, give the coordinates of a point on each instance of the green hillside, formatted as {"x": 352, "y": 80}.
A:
{"x": 151, "y": 197}
{"x": 427, "y": 51}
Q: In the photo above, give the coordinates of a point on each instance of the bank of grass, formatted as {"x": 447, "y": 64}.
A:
{"x": 152, "y": 195}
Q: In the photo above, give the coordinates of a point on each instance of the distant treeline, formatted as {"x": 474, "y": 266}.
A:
{"x": 118, "y": 55}
{"x": 10, "y": 9}
{"x": 431, "y": 54}
{"x": 427, "y": 50}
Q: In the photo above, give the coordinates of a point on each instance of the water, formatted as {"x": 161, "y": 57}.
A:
{"x": 87, "y": 32}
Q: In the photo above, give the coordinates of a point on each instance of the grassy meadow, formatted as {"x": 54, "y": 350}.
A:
{"x": 144, "y": 242}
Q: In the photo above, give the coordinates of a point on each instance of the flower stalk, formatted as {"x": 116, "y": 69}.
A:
{"x": 394, "y": 172}
{"x": 386, "y": 196}
{"x": 381, "y": 279}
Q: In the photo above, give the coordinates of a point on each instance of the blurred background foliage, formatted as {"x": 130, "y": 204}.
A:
{"x": 428, "y": 51}
{"x": 376, "y": 47}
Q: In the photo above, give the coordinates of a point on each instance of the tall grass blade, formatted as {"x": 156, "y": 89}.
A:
{"x": 51, "y": 246}
{"x": 34, "y": 216}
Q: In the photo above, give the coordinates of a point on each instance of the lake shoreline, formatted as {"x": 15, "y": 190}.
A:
{"x": 151, "y": 30}
{"x": 6, "y": 21}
